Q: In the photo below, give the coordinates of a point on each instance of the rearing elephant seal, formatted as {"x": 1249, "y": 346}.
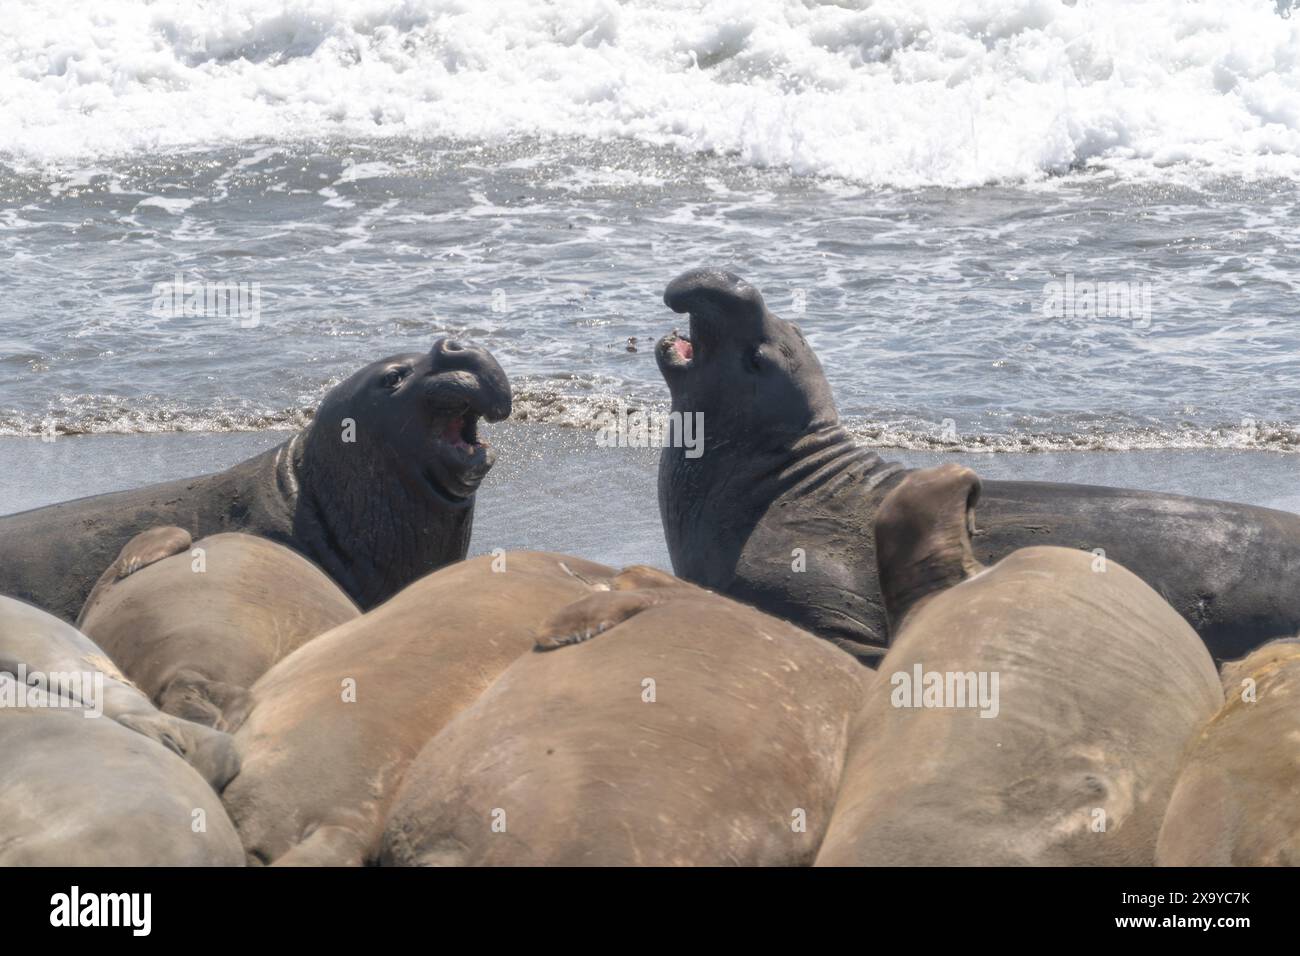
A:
{"x": 335, "y": 724}
{"x": 656, "y": 725}
{"x": 1031, "y": 713}
{"x": 778, "y": 509}
{"x": 1237, "y": 802}
{"x": 378, "y": 490}
{"x": 195, "y": 624}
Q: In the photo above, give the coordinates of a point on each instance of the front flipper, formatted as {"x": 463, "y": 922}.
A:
{"x": 628, "y": 593}
{"x": 632, "y": 591}
{"x": 642, "y": 577}
{"x": 213, "y": 703}
{"x": 593, "y": 615}
{"x": 327, "y": 846}
{"x": 211, "y": 752}
{"x": 923, "y": 537}
{"x": 146, "y": 548}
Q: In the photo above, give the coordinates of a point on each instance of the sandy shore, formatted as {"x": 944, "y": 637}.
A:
{"x": 555, "y": 489}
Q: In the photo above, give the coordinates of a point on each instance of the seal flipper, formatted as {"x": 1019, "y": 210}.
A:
{"x": 923, "y": 537}
{"x": 146, "y": 548}
{"x": 192, "y": 696}
{"x": 628, "y": 593}
{"x": 642, "y": 577}
{"x": 328, "y": 845}
{"x": 211, "y": 752}
{"x": 593, "y": 615}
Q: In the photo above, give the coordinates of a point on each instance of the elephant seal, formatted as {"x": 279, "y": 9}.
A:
{"x": 194, "y": 625}
{"x": 777, "y": 508}
{"x": 655, "y": 725}
{"x": 1031, "y": 713}
{"x": 335, "y": 724}
{"x": 78, "y": 792}
{"x": 1235, "y": 803}
{"x": 36, "y": 647}
{"x": 378, "y": 490}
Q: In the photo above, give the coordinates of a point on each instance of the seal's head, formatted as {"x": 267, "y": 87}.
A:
{"x": 389, "y": 467}
{"x": 744, "y": 369}
{"x": 763, "y": 425}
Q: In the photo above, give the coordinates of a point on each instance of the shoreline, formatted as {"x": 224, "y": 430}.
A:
{"x": 554, "y": 489}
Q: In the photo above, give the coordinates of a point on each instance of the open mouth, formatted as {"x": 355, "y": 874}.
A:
{"x": 675, "y": 352}
{"x": 459, "y": 461}
{"x": 461, "y": 432}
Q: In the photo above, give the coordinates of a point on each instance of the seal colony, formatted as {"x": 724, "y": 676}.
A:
{"x": 291, "y": 663}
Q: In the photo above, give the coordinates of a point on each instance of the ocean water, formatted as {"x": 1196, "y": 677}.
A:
{"x": 1044, "y": 228}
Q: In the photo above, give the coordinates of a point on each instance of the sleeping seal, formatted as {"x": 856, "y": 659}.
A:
{"x": 656, "y": 724}
{"x": 335, "y": 724}
{"x": 1031, "y": 713}
{"x": 195, "y": 624}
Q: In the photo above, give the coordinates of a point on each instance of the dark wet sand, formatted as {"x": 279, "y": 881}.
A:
{"x": 555, "y": 489}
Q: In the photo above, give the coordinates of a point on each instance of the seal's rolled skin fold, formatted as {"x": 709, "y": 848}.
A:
{"x": 1091, "y": 687}
{"x": 779, "y": 509}
{"x": 378, "y": 490}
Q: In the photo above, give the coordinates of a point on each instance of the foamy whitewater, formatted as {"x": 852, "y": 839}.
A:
{"x": 896, "y": 92}
{"x": 915, "y": 183}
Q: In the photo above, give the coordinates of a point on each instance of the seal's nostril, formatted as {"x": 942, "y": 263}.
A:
{"x": 451, "y": 345}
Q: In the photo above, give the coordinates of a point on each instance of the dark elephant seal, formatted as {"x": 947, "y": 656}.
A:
{"x": 780, "y": 483}
{"x": 1237, "y": 801}
{"x": 35, "y": 643}
{"x": 1031, "y": 713}
{"x": 733, "y": 758}
{"x": 335, "y": 724}
{"x": 195, "y": 624}
{"x": 378, "y": 490}
{"x": 84, "y": 792}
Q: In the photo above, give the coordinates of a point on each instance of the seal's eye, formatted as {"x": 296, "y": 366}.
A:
{"x": 393, "y": 377}
{"x": 758, "y": 359}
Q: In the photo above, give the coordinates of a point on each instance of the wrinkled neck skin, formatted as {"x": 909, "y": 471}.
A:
{"x": 711, "y": 504}
{"x": 370, "y": 532}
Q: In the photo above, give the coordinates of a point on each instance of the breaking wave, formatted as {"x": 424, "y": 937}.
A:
{"x": 544, "y": 404}
{"x": 886, "y": 92}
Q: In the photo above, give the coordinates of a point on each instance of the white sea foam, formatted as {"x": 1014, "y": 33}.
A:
{"x": 897, "y": 92}
{"x": 540, "y": 404}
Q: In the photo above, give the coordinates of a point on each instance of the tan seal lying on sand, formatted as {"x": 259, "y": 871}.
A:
{"x": 1055, "y": 695}
{"x": 195, "y": 624}
{"x": 335, "y": 724}
{"x": 657, "y": 724}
